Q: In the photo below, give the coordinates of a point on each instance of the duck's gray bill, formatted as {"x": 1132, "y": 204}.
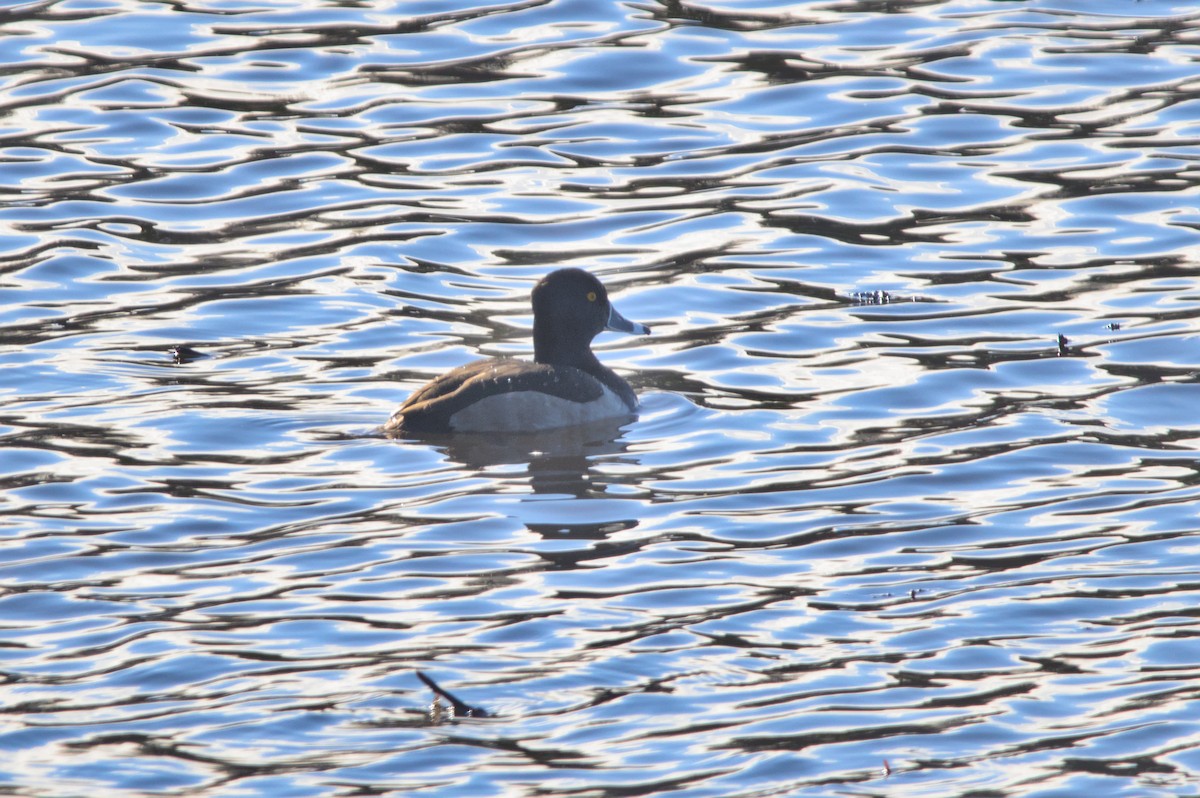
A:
{"x": 618, "y": 323}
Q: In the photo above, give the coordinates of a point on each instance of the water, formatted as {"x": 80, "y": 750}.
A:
{"x": 878, "y": 530}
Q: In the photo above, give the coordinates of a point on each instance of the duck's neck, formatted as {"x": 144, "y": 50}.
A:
{"x": 562, "y": 351}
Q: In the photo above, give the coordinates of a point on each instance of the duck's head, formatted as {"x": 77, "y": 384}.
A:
{"x": 570, "y": 308}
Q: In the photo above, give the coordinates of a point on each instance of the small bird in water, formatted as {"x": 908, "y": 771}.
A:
{"x": 459, "y": 708}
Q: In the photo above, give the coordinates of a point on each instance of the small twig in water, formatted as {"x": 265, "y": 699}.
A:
{"x": 461, "y": 709}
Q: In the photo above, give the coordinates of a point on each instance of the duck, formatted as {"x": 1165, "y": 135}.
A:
{"x": 564, "y": 385}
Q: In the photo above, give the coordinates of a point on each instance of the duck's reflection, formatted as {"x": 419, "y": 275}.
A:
{"x": 560, "y": 461}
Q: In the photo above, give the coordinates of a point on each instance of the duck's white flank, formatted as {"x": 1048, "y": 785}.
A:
{"x": 532, "y": 411}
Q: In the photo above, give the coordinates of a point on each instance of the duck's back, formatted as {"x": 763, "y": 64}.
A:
{"x": 505, "y": 395}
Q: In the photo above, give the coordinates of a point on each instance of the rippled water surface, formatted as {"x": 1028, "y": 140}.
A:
{"x": 910, "y": 508}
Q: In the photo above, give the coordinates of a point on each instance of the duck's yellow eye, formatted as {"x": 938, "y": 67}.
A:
{"x": 591, "y": 296}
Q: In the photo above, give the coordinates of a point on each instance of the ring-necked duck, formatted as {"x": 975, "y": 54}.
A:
{"x": 564, "y": 385}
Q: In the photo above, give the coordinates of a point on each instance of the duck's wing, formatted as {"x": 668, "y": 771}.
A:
{"x": 431, "y": 408}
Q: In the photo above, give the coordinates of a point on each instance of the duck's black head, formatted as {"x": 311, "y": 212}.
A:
{"x": 570, "y": 308}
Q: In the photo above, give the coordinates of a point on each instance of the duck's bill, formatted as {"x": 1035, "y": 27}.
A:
{"x": 618, "y": 323}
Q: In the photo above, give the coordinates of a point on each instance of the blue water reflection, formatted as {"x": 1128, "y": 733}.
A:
{"x": 909, "y": 505}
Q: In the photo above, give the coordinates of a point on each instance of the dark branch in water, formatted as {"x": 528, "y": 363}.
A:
{"x": 461, "y": 709}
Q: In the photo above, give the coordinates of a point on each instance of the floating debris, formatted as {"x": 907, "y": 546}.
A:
{"x": 458, "y": 709}
{"x": 885, "y": 298}
{"x": 182, "y": 353}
